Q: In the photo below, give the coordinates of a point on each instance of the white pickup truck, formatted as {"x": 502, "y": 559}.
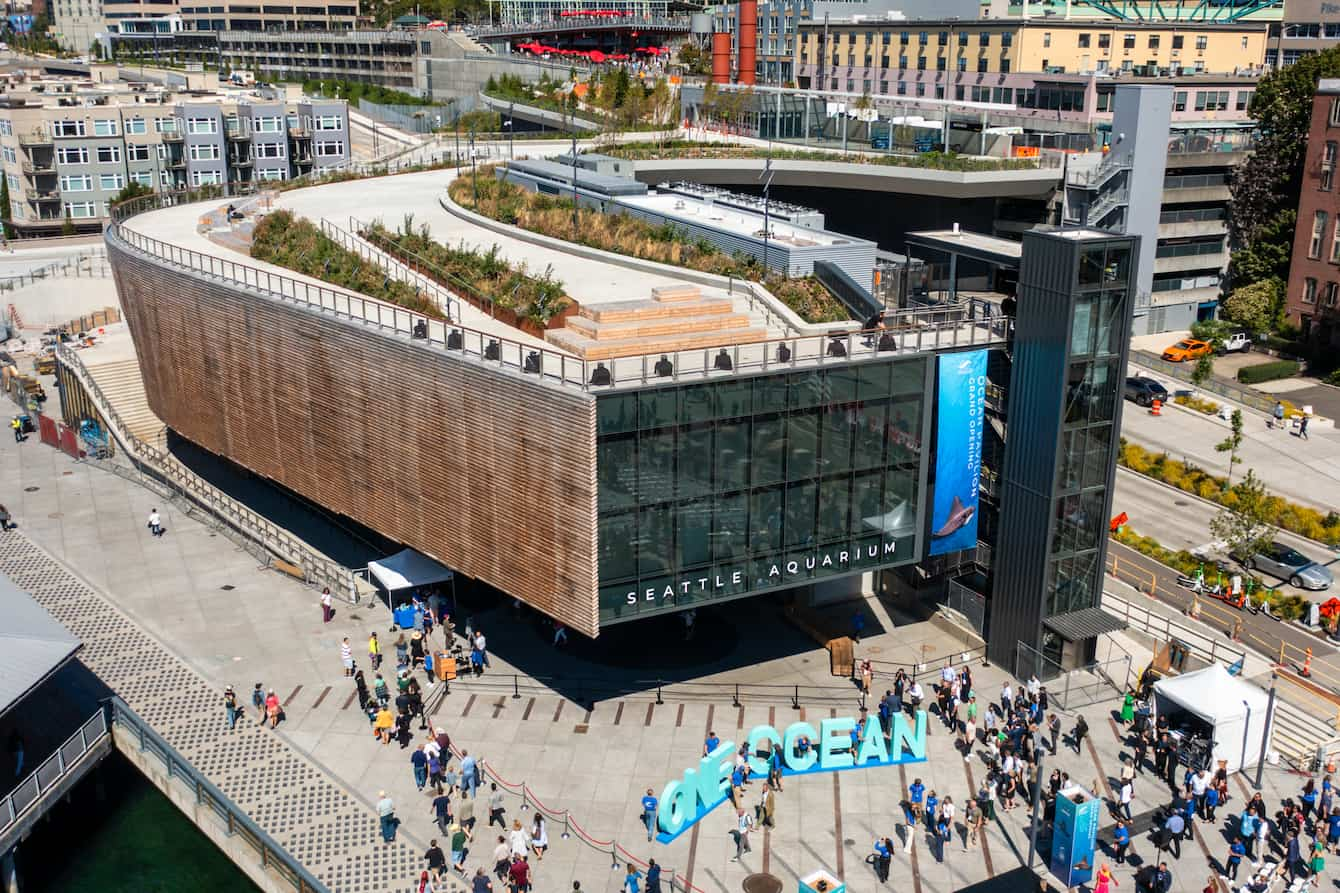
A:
{"x": 1238, "y": 342}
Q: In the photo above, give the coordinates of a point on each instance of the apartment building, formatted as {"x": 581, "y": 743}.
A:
{"x": 920, "y": 58}
{"x": 1308, "y": 27}
{"x": 1313, "y": 299}
{"x": 69, "y": 154}
{"x": 78, "y": 23}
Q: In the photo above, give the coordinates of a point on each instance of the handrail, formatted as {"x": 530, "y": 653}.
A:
{"x": 1207, "y": 647}
{"x": 55, "y": 767}
{"x": 589, "y": 689}
{"x": 317, "y": 569}
{"x": 272, "y": 855}
{"x": 354, "y": 242}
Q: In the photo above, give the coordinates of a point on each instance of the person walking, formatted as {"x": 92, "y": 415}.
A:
{"x": 441, "y": 812}
{"x": 6, "y": 519}
{"x": 374, "y": 652}
{"x": 155, "y": 524}
{"x": 327, "y": 608}
{"x": 437, "y": 860}
{"x": 1235, "y": 853}
{"x": 1302, "y": 427}
{"x": 973, "y": 820}
{"x": 230, "y": 706}
{"x": 496, "y": 809}
{"x": 743, "y": 825}
{"x": 630, "y": 880}
{"x": 1081, "y": 729}
{"x": 1279, "y": 415}
{"x": 272, "y": 708}
{"x": 1172, "y": 834}
{"x": 1104, "y": 881}
{"x": 480, "y": 883}
{"x": 18, "y": 429}
{"x": 767, "y": 806}
{"x": 653, "y": 877}
{"x": 1128, "y": 709}
{"x": 881, "y": 858}
{"x": 1318, "y": 863}
{"x": 1126, "y": 795}
{"x": 649, "y": 805}
{"x": 419, "y": 760}
{"x": 1162, "y": 881}
{"x": 1053, "y": 732}
{"x": 258, "y": 701}
{"x": 539, "y": 837}
{"x": 386, "y": 813}
{"x": 458, "y": 850}
{"x": 469, "y": 776}
{"x": 1121, "y": 841}
{"x": 465, "y": 815}
{"x": 347, "y": 656}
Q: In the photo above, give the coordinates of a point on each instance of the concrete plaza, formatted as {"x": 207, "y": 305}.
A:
{"x": 234, "y": 623}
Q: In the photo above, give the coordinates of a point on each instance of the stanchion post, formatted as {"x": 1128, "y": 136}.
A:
{"x": 658, "y": 692}
{"x": 516, "y": 687}
{"x": 736, "y": 702}
{"x": 795, "y": 698}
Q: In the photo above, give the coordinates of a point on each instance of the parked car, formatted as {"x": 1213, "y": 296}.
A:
{"x": 1145, "y": 391}
{"x": 1288, "y": 563}
{"x": 1238, "y": 342}
{"x": 1187, "y": 349}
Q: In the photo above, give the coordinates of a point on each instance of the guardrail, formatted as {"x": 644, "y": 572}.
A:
{"x": 90, "y": 265}
{"x": 1206, "y": 647}
{"x": 316, "y": 569}
{"x": 391, "y": 265}
{"x": 799, "y": 352}
{"x": 68, "y": 757}
{"x": 1253, "y": 399}
{"x": 238, "y": 823}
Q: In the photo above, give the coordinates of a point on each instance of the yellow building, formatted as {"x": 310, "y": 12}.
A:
{"x": 1040, "y": 46}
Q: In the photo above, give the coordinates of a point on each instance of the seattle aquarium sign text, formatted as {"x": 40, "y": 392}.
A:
{"x": 703, "y": 788}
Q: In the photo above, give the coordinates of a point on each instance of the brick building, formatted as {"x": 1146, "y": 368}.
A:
{"x": 1314, "y": 274}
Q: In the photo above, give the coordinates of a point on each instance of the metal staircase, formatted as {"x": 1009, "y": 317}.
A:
{"x": 173, "y": 480}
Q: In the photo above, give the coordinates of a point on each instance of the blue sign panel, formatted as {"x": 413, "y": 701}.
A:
{"x": 839, "y": 743}
{"x": 960, "y": 410}
{"x": 1073, "y": 834}
{"x": 21, "y": 24}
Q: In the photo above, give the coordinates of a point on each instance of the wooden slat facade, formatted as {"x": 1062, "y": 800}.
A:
{"x": 488, "y": 471}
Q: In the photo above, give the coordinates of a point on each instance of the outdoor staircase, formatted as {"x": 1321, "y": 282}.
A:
{"x": 675, "y": 318}
{"x": 123, "y": 386}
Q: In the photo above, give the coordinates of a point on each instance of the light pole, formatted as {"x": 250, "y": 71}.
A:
{"x": 1265, "y": 732}
{"x": 574, "y": 186}
{"x": 511, "y": 150}
{"x": 1033, "y": 821}
{"x": 474, "y": 174}
{"x": 766, "y": 176}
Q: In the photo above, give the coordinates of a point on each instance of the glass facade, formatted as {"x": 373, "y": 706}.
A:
{"x": 1093, "y": 391}
{"x": 720, "y": 489}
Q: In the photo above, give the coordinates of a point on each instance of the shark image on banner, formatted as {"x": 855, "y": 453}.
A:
{"x": 960, "y": 413}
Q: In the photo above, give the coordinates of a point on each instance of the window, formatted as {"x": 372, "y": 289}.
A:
{"x": 202, "y": 125}
{"x": 921, "y": 63}
{"x": 1318, "y": 232}
{"x": 67, "y": 128}
{"x": 205, "y": 178}
{"x": 106, "y": 127}
{"x": 207, "y": 152}
{"x": 72, "y": 155}
{"x": 1128, "y": 42}
{"x": 12, "y": 180}
{"x": 963, "y": 63}
{"x": 1006, "y": 40}
{"x": 941, "y": 64}
{"x": 1004, "y": 66}
{"x": 902, "y": 62}
{"x": 76, "y": 183}
{"x": 81, "y": 210}
{"x": 271, "y": 173}
{"x": 903, "y": 38}
{"x": 6, "y": 127}
{"x": 1177, "y": 41}
{"x": 136, "y": 126}
{"x": 1153, "y": 41}
{"x": 333, "y": 122}
{"x": 1201, "y": 42}
{"x": 1309, "y": 290}
{"x": 8, "y": 153}
{"x": 1084, "y": 41}
{"x": 1211, "y": 100}
{"x": 276, "y": 150}
{"x": 109, "y": 154}
{"x": 329, "y": 148}
{"x": 1046, "y": 40}
{"x": 1335, "y": 242}
{"x": 165, "y": 125}
{"x": 1327, "y": 178}
{"x": 923, "y": 38}
{"x": 984, "y": 39}
{"x": 1179, "y": 101}
{"x": 1104, "y": 41}
{"x": 981, "y": 65}
{"x": 1244, "y": 99}
{"x": 111, "y": 181}
{"x": 963, "y": 38}
{"x": 137, "y": 153}
{"x": 144, "y": 178}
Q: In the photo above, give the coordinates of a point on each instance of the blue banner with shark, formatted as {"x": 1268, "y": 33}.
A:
{"x": 960, "y": 410}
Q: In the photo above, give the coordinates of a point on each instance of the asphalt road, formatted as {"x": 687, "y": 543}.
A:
{"x": 1180, "y": 520}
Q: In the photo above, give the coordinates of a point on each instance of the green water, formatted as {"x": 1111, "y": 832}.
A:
{"x": 131, "y": 839}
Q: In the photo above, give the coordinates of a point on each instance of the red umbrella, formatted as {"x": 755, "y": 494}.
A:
{"x": 597, "y": 56}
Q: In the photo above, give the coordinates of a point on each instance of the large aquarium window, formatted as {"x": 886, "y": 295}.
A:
{"x": 718, "y": 489}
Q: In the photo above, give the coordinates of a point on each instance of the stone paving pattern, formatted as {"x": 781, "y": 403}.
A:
{"x": 170, "y": 621}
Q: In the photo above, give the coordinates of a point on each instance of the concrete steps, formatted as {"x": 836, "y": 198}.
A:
{"x": 674, "y": 318}
{"x": 121, "y": 383}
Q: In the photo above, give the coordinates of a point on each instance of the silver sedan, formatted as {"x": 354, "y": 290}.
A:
{"x": 1287, "y": 563}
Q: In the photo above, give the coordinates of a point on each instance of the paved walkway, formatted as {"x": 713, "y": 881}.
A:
{"x": 232, "y": 623}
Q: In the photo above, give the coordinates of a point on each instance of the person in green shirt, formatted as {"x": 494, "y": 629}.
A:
{"x": 458, "y": 850}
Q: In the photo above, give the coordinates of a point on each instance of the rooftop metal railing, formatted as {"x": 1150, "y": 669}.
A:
{"x": 973, "y": 326}
{"x": 394, "y": 267}
{"x": 67, "y": 758}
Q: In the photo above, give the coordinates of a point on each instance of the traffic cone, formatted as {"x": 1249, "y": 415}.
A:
{"x": 1156, "y": 407}
{"x": 1307, "y": 664}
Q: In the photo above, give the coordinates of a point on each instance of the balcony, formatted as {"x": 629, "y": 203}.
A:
{"x": 177, "y": 163}
{"x": 172, "y": 136}
{"x": 44, "y": 166}
{"x": 35, "y": 138}
{"x": 240, "y": 162}
{"x": 236, "y": 133}
{"x": 42, "y": 195}
{"x": 300, "y": 132}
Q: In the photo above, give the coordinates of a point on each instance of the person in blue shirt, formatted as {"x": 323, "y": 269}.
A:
{"x": 932, "y": 801}
{"x": 1121, "y": 841}
{"x": 630, "y": 880}
{"x": 1308, "y": 798}
{"x": 1211, "y": 801}
{"x": 711, "y": 743}
{"x": 1235, "y": 853}
{"x": 649, "y": 813}
{"x": 653, "y": 877}
{"x": 1247, "y": 828}
{"x": 916, "y": 792}
{"x": 882, "y": 856}
{"x": 943, "y": 833}
{"x": 1333, "y": 828}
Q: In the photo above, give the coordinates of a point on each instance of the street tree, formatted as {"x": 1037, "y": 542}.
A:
{"x": 1202, "y": 371}
{"x": 1244, "y": 522}
{"x": 1254, "y": 306}
{"x": 1231, "y": 444}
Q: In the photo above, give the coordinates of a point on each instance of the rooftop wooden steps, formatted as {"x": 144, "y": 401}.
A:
{"x": 593, "y": 349}
{"x": 657, "y": 328}
{"x": 674, "y": 318}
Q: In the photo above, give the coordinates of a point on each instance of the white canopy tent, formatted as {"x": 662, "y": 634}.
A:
{"x": 406, "y": 570}
{"x": 1235, "y": 710}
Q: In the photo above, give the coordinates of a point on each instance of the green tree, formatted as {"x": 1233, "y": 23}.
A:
{"x": 1202, "y": 371}
{"x": 67, "y": 227}
{"x": 1266, "y": 253}
{"x": 1244, "y": 522}
{"x": 1267, "y": 183}
{"x": 6, "y": 212}
{"x": 131, "y": 190}
{"x": 1254, "y": 306}
{"x": 1231, "y": 443}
